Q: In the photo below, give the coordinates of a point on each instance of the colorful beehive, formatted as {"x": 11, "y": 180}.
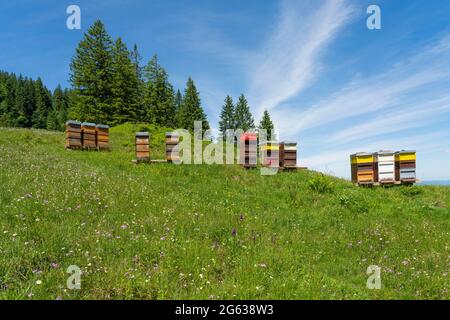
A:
{"x": 248, "y": 153}
{"x": 102, "y": 132}
{"x": 405, "y": 166}
{"x": 172, "y": 148}
{"x": 89, "y": 135}
{"x": 384, "y": 167}
{"x": 73, "y": 135}
{"x": 362, "y": 165}
{"x": 288, "y": 155}
{"x": 142, "y": 142}
{"x": 270, "y": 154}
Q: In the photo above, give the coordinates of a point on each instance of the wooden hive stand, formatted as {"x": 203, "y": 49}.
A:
{"x": 270, "y": 154}
{"x": 248, "y": 152}
{"x": 89, "y": 135}
{"x": 102, "y": 134}
{"x": 73, "y": 135}
{"x": 172, "y": 148}
{"x": 288, "y": 155}
{"x": 142, "y": 143}
{"x": 405, "y": 167}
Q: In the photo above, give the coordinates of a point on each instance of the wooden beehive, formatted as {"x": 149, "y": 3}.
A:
{"x": 384, "y": 167}
{"x": 362, "y": 166}
{"x": 248, "y": 153}
{"x": 142, "y": 143}
{"x": 405, "y": 166}
{"x": 102, "y": 134}
{"x": 89, "y": 135}
{"x": 73, "y": 135}
{"x": 288, "y": 155}
{"x": 270, "y": 154}
{"x": 172, "y": 148}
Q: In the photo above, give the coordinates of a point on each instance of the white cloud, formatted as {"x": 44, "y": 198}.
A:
{"x": 384, "y": 91}
{"x": 288, "y": 62}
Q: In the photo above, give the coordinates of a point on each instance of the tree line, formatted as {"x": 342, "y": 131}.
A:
{"x": 110, "y": 85}
{"x": 25, "y": 102}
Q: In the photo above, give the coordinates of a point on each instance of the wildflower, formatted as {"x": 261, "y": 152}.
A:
{"x": 233, "y": 232}
{"x": 54, "y": 265}
{"x": 38, "y": 282}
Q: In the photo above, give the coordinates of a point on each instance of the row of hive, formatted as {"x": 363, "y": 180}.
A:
{"x": 383, "y": 167}
{"x": 273, "y": 154}
{"x": 87, "y": 135}
{"x": 142, "y": 143}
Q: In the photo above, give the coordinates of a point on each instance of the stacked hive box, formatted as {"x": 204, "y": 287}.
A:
{"x": 248, "y": 150}
{"x": 288, "y": 155}
{"x": 89, "y": 135}
{"x": 270, "y": 154}
{"x": 142, "y": 142}
{"x": 384, "y": 167}
{"x": 102, "y": 136}
{"x": 362, "y": 165}
{"x": 73, "y": 135}
{"x": 172, "y": 148}
{"x": 405, "y": 166}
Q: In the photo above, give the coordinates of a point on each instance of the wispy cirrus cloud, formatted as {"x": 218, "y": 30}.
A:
{"x": 388, "y": 90}
{"x": 289, "y": 60}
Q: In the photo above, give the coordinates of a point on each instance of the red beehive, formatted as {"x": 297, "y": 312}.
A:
{"x": 248, "y": 149}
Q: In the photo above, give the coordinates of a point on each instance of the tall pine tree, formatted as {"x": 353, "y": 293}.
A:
{"x": 227, "y": 120}
{"x": 92, "y": 76}
{"x": 125, "y": 86}
{"x": 242, "y": 116}
{"x": 43, "y": 105}
{"x": 159, "y": 95}
{"x": 178, "y": 102}
{"x": 267, "y": 124}
{"x": 191, "y": 109}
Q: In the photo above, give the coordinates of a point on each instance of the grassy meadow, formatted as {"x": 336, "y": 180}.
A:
{"x": 162, "y": 231}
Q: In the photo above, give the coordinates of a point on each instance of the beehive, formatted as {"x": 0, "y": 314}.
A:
{"x": 405, "y": 166}
{"x": 362, "y": 165}
{"x": 89, "y": 135}
{"x": 73, "y": 135}
{"x": 172, "y": 148}
{"x": 288, "y": 155}
{"x": 102, "y": 132}
{"x": 142, "y": 143}
{"x": 384, "y": 167}
{"x": 270, "y": 154}
{"x": 248, "y": 153}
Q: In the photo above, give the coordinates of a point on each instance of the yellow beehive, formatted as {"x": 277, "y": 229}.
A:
{"x": 405, "y": 166}
{"x": 270, "y": 154}
{"x": 362, "y": 167}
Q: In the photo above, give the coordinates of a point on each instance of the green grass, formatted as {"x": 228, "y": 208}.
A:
{"x": 164, "y": 231}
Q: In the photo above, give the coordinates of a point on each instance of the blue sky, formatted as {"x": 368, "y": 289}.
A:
{"x": 328, "y": 82}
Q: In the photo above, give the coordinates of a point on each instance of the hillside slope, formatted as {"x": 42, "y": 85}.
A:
{"x": 166, "y": 231}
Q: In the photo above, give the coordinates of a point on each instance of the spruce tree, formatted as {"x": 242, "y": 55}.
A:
{"x": 42, "y": 107}
{"x": 125, "y": 86}
{"x": 242, "y": 116}
{"x": 159, "y": 95}
{"x": 227, "y": 117}
{"x": 178, "y": 101}
{"x": 191, "y": 109}
{"x": 92, "y": 76}
{"x": 267, "y": 124}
